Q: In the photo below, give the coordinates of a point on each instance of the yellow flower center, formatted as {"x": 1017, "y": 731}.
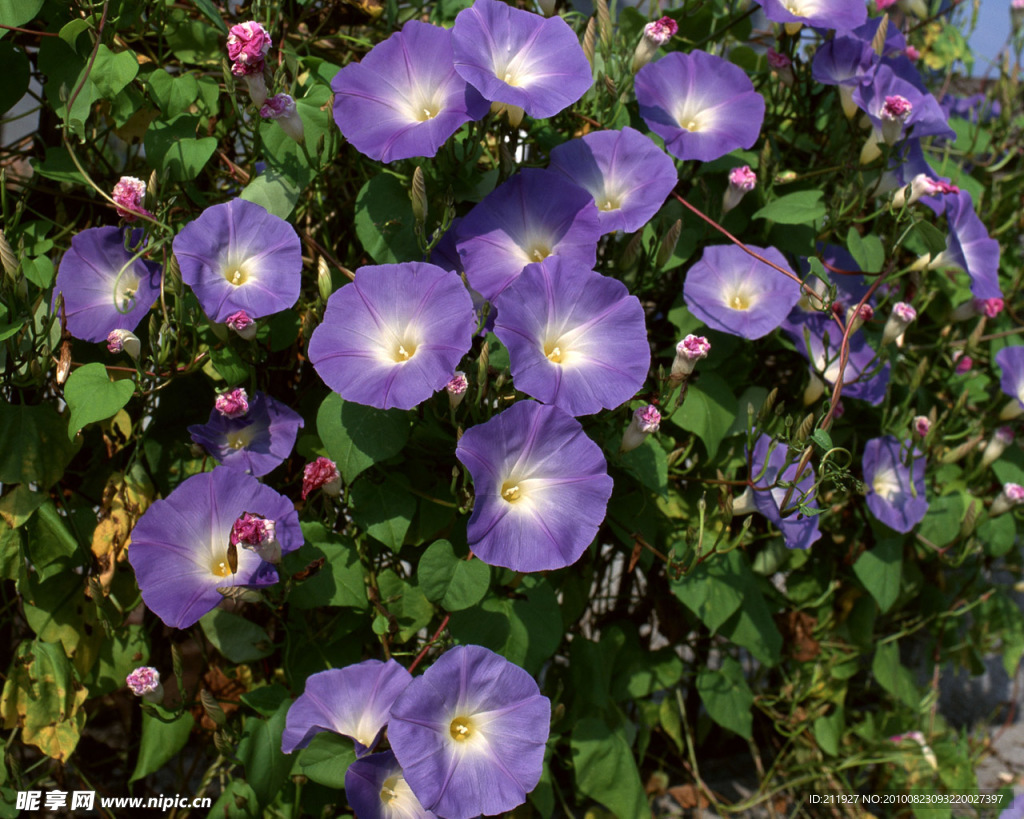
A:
{"x": 511, "y": 492}
{"x": 219, "y": 567}
{"x": 388, "y": 792}
{"x": 403, "y": 351}
{"x": 235, "y": 273}
{"x": 462, "y": 729}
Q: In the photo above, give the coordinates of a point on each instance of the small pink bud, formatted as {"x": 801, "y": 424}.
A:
{"x": 688, "y": 352}
{"x": 882, "y": 5}
{"x": 233, "y": 404}
{"x": 281, "y": 108}
{"x": 912, "y": 53}
{"x": 257, "y": 534}
{"x": 661, "y": 31}
{"x": 145, "y": 682}
{"x": 777, "y": 60}
{"x": 1011, "y": 496}
{"x": 741, "y": 181}
{"x": 456, "y": 388}
{"x": 990, "y": 307}
{"x": 963, "y": 362}
{"x": 857, "y": 315}
{"x": 321, "y": 474}
{"x": 242, "y": 324}
{"x": 128, "y": 195}
{"x": 922, "y": 425}
{"x": 896, "y": 107}
{"x": 645, "y": 421}
{"x": 124, "y": 341}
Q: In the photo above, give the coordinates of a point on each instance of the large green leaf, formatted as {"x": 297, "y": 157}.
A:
{"x": 405, "y": 602}
{"x": 727, "y": 696}
{"x": 880, "y": 570}
{"x": 606, "y": 769}
{"x": 524, "y": 631}
{"x": 339, "y": 579}
{"x": 92, "y": 396}
{"x": 796, "y": 208}
{"x": 358, "y": 436}
{"x": 384, "y": 221}
{"x": 36, "y": 448}
{"x": 42, "y": 696}
{"x": 161, "y": 741}
{"x": 383, "y": 509}
{"x": 894, "y": 677}
{"x": 172, "y": 146}
{"x": 174, "y": 94}
{"x": 275, "y": 191}
{"x": 238, "y": 639}
{"x": 446, "y": 579}
{"x": 112, "y": 71}
{"x": 708, "y": 411}
{"x": 18, "y": 12}
{"x": 326, "y": 759}
{"x": 867, "y": 250}
{"x": 266, "y": 765}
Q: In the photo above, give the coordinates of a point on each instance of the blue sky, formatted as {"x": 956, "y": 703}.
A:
{"x": 990, "y": 35}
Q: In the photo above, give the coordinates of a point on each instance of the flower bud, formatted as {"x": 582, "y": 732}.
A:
{"x": 324, "y": 281}
{"x": 456, "y": 388}
{"x": 996, "y": 446}
{"x": 1011, "y": 496}
{"x": 547, "y": 7}
{"x": 321, "y": 474}
{"x": 248, "y": 45}
{"x": 894, "y": 114}
{"x": 741, "y": 182}
{"x": 145, "y": 682}
{"x": 922, "y": 185}
{"x": 781, "y": 66}
{"x": 126, "y": 341}
{"x": 281, "y": 108}
{"x": 856, "y": 316}
{"x": 418, "y": 195}
{"x": 899, "y": 319}
{"x": 232, "y": 404}
{"x": 128, "y": 195}
{"x": 668, "y": 243}
{"x": 645, "y": 421}
{"x": 258, "y": 535}
{"x": 242, "y": 324}
{"x": 921, "y": 425}
{"x": 656, "y": 34}
{"x": 688, "y": 352}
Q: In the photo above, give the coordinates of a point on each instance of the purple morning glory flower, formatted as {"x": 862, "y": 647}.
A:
{"x": 838, "y": 14}
{"x": 255, "y": 441}
{"x": 103, "y": 289}
{"x": 180, "y": 546}
{"x": 237, "y": 256}
{"x": 731, "y": 291}
{"x": 404, "y": 99}
{"x": 843, "y": 61}
{"x": 353, "y": 701}
{"x": 533, "y": 215}
{"x": 575, "y": 338}
{"x": 969, "y": 247}
{"x": 798, "y": 530}
{"x": 395, "y": 335}
{"x": 701, "y": 105}
{"x": 518, "y": 58}
{"x": 541, "y": 484}
{"x": 1011, "y": 362}
{"x": 470, "y": 734}
{"x": 626, "y": 173}
{"x": 376, "y": 789}
{"x": 895, "y": 105}
{"x": 895, "y": 494}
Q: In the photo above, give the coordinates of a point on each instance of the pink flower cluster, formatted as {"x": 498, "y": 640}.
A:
{"x": 251, "y": 530}
{"x": 128, "y": 195}
{"x": 661, "y": 31}
{"x": 233, "y": 404}
{"x": 321, "y": 473}
{"x": 143, "y": 680}
{"x": 248, "y": 46}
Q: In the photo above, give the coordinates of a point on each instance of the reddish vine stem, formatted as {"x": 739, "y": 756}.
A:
{"x": 430, "y": 642}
